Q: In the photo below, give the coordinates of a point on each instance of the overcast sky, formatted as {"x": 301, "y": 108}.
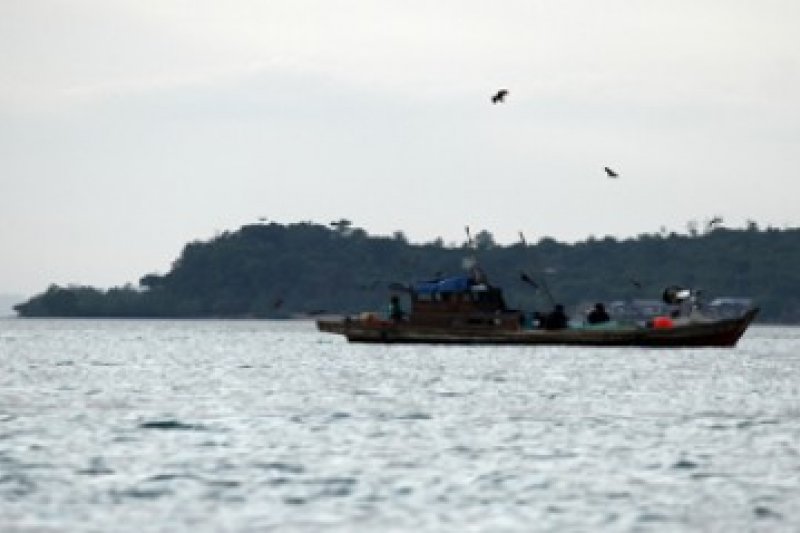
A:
{"x": 130, "y": 127}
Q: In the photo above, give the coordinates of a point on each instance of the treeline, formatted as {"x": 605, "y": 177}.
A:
{"x": 278, "y": 271}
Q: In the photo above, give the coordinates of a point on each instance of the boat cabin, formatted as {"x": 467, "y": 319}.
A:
{"x": 460, "y": 301}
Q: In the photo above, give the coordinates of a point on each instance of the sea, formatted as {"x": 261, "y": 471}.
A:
{"x": 251, "y": 426}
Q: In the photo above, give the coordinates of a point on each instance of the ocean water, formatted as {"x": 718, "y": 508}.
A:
{"x": 249, "y": 426}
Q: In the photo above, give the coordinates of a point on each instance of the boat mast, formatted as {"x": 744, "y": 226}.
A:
{"x": 542, "y": 280}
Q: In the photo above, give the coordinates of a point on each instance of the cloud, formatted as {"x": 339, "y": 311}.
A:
{"x": 660, "y": 51}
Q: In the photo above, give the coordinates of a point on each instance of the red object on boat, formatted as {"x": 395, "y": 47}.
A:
{"x": 662, "y": 322}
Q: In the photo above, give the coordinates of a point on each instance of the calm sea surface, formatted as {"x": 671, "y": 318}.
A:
{"x": 272, "y": 426}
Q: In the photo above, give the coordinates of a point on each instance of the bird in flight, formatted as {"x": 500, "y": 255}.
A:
{"x": 610, "y": 173}
{"x": 499, "y": 96}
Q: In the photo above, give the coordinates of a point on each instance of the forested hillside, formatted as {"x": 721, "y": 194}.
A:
{"x": 273, "y": 270}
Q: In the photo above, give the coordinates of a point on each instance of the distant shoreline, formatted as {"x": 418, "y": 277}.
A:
{"x": 252, "y": 319}
{"x": 7, "y": 303}
{"x": 303, "y": 270}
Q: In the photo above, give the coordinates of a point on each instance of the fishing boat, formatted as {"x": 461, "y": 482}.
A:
{"x": 466, "y": 310}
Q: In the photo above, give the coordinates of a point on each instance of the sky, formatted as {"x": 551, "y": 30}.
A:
{"x": 131, "y": 127}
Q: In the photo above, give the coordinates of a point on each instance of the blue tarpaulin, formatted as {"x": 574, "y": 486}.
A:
{"x": 457, "y": 284}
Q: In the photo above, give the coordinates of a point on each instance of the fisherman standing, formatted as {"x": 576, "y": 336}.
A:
{"x": 396, "y": 312}
{"x": 598, "y": 315}
{"x": 557, "y": 318}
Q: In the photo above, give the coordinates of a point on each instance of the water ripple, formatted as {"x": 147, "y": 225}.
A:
{"x": 261, "y": 426}
{"x": 171, "y": 425}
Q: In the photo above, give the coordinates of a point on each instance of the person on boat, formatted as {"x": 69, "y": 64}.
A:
{"x": 396, "y": 312}
{"x": 557, "y": 318}
{"x": 598, "y": 315}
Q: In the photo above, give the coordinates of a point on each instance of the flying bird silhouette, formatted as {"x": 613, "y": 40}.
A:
{"x": 499, "y": 96}
{"x": 611, "y": 173}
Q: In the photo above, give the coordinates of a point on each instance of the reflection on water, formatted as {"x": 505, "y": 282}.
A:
{"x": 248, "y": 426}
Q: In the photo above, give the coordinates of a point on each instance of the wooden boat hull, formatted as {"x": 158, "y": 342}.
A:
{"x": 721, "y": 333}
